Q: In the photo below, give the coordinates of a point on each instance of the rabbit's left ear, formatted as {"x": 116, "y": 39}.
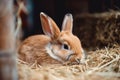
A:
{"x": 67, "y": 23}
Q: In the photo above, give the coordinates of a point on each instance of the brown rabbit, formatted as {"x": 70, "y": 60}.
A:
{"x": 54, "y": 46}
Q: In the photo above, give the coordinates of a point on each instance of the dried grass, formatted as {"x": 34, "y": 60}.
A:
{"x": 101, "y": 64}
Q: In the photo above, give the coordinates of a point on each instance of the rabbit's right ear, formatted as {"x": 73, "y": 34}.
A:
{"x": 67, "y": 23}
{"x": 49, "y": 26}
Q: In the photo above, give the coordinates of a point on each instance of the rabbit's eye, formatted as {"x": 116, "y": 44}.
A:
{"x": 65, "y": 46}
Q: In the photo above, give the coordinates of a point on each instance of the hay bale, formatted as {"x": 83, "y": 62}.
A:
{"x": 98, "y": 30}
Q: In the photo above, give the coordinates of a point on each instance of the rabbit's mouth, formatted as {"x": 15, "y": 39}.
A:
{"x": 75, "y": 59}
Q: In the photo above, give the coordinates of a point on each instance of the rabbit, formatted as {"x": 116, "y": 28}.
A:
{"x": 54, "y": 46}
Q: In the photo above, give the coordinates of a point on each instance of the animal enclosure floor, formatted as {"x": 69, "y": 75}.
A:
{"x": 102, "y": 64}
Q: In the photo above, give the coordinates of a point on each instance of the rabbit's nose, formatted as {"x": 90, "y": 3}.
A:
{"x": 80, "y": 59}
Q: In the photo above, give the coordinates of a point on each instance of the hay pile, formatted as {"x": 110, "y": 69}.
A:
{"x": 101, "y": 64}
{"x": 98, "y": 30}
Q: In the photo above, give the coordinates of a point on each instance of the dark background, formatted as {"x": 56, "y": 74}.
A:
{"x": 58, "y": 8}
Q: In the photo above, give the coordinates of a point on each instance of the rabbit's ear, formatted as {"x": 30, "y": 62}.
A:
{"x": 49, "y": 26}
{"x": 67, "y": 23}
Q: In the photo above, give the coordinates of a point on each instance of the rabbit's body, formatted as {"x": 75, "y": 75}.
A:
{"x": 54, "y": 46}
{"x": 34, "y": 49}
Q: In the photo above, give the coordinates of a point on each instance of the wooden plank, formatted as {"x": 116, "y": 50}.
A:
{"x": 7, "y": 41}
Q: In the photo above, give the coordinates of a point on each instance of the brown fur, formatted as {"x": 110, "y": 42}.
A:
{"x": 50, "y": 48}
{"x": 72, "y": 40}
{"x": 33, "y": 49}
